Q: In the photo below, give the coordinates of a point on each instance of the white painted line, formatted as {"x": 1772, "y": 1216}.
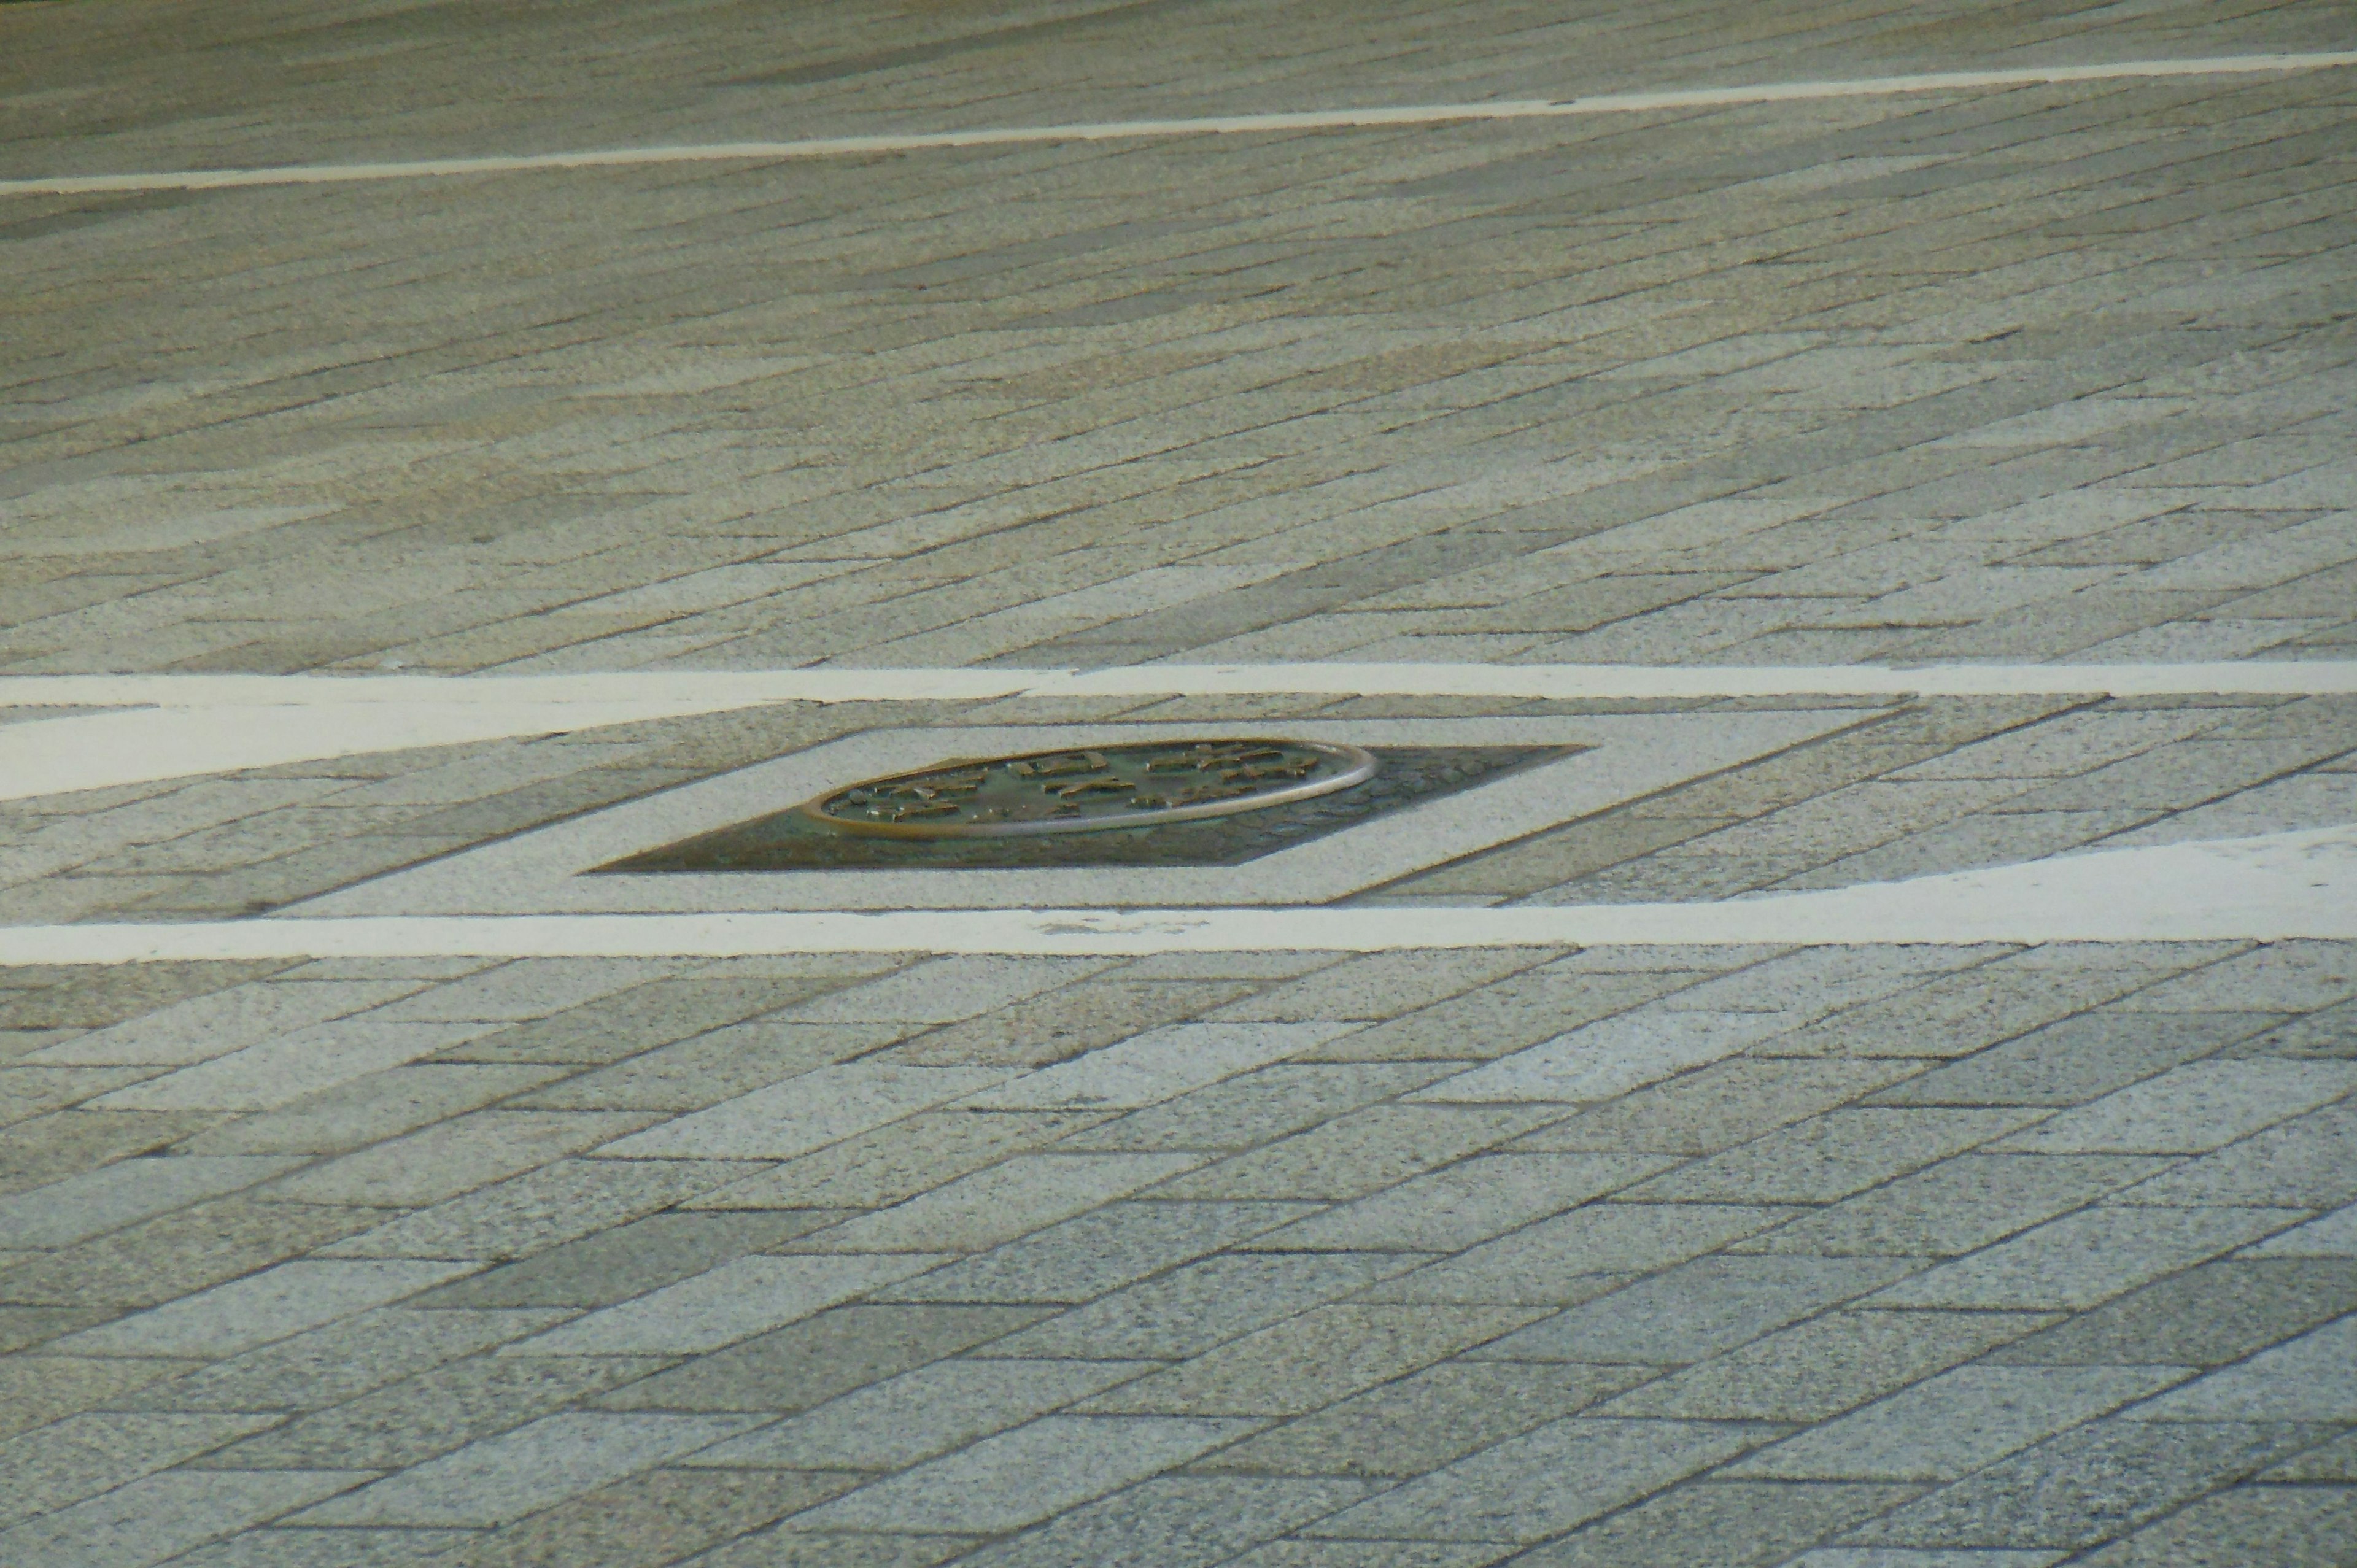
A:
{"x": 709, "y": 691}
{"x": 1231, "y": 124}
{"x": 2279, "y": 886}
{"x": 186, "y": 725}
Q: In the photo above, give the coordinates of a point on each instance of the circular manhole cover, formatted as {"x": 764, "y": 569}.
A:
{"x": 1088, "y": 791}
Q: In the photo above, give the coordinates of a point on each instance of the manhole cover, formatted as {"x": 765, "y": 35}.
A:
{"x": 797, "y": 839}
{"x": 1114, "y": 787}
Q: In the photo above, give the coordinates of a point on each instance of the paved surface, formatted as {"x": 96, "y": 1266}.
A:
{"x": 1944, "y": 1255}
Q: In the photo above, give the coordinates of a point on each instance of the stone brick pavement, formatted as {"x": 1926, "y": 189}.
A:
{"x": 1955, "y": 1254}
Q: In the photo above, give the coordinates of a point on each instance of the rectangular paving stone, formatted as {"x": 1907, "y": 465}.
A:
{"x": 1578, "y": 1254}
{"x": 2312, "y": 1377}
{"x": 2084, "y": 1258}
{"x": 1158, "y": 1065}
{"x": 1325, "y": 1353}
{"x": 1452, "y": 1208}
{"x": 2087, "y": 1485}
{"x": 2306, "y": 1162}
{"x": 451, "y": 1157}
{"x": 990, "y": 1206}
{"x": 203, "y": 1027}
{"x": 725, "y": 1305}
{"x": 622, "y": 1259}
{"x": 809, "y": 1362}
{"x": 360, "y": 1112}
{"x": 1193, "y": 1308}
{"x": 1829, "y": 1157}
{"x": 529, "y": 1213}
{"x": 1956, "y": 1422}
{"x": 337, "y": 1362}
{"x": 1542, "y": 1482}
{"x": 268, "y": 1306}
{"x": 165, "y": 1515}
{"x": 1711, "y": 1520}
{"x": 2190, "y": 1108}
{"x": 2078, "y": 1059}
{"x": 80, "y": 1207}
{"x": 1726, "y": 1103}
{"x": 2244, "y": 1524}
{"x": 2205, "y": 1316}
{"x": 1610, "y": 1058}
{"x": 1426, "y": 1419}
{"x": 1958, "y": 1205}
{"x": 1816, "y": 1370}
{"x": 1698, "y": 1309}
{"x": 1021, "y": 1476}
{"x": 894, "y": 1163}
{"x": 1259, "y": 1107}
{"x": 902, "y": 1421}
{"x": 818, "y": 1108}
{"x": 1181, "y": 1521}
{"x": 501, "y": 1479}
{"x": 1082, "y": 1258}
{"x": 1360, "y": 1152}
{"x": 83, "y": 1456}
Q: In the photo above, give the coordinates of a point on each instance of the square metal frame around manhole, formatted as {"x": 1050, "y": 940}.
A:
{"x": 1606, "y": 759}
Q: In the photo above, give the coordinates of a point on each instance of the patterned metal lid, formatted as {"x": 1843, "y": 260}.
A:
{"x": 1093, "y": 790}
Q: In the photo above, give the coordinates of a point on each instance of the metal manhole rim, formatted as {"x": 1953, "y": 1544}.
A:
{"x": 1357, "y": 765}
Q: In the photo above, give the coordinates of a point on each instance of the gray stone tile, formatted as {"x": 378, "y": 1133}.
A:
{"x": 2312, "y": 1377}
{"x": 1726, "y": 1103}
{"x": 617, "y": 1262}
{"x": 2084, "y": 1258}
{"x": 1158, "y": 1065}
{"x": 1542, "y": 1482}
{"x": 501, "y": 1479}
{"x": 1579, "y": 1254}
{"x": 1324, "y": 1354}
{"x": 997, "y": 1204}
{"x": 2087, "y": 1485}
{"x": 894, "y": 1163}
{"x": 2078, "y": 1059}
{"x": 2190, "y": 1108}
{"x": 562, "y": 1201}
{"x": 83, "y": 1455}
{"x": 1716, "y": 1521}
{"x": 2310, "y": 1162}
{"x": 1958, "y": 1205}
{"x": 1451, "y": 1209}
{"x": 2205, "y": 1316}
{"x": 1829, "y": 1157}
{"x": 1189, "y": 1309}
{"x": 1090, "y": 1254}
{"x": 809, "y": 1362}
{"x": 340, "y": 1361}
{"x": 1956, "y": 1422}
{"x": 1384, "y": 985}
{"x": 1698, "y": 1309}
{"x": 1173, "y": 1521}
{"x": 1022, "y": 1476}
{"x": 123, "y": 1193}
{"x": 2242, "y": 1524}
{"x": 810, "y": 1111}
{"x": 1426, "y": 1419}
{"x": 269, "y": 1306}
{"x": 1823, "y": 1366}
{"x": 722, "y": 1305}
{"x": 1258, "y": 1107}
{"x": 165, "y": 1515}
{"x": 452, "y": 1158}
{"x": 898, "y": 1422}
{"x": 1357, "y": 1154}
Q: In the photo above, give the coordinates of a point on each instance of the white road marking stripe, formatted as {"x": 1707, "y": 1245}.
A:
{"x": 2278, "y": 886}
{"x": 1230, "y": 125}
{"x": 712, "y": 690}
{"x": 185, "y": 725}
